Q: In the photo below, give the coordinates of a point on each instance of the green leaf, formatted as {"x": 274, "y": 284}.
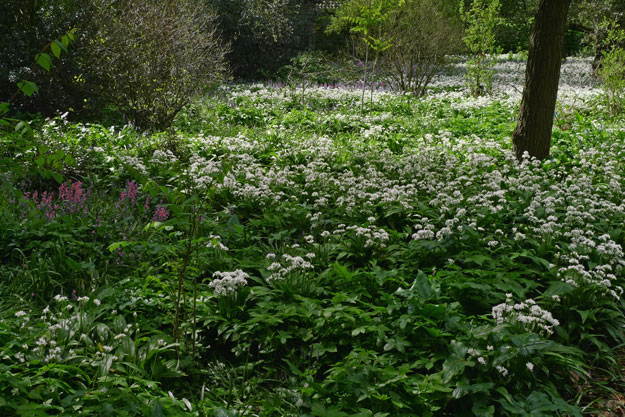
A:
{"x": 44, "y": 61}
{"x": 157, "y": 410}
{"x": 422, "y": 286}
{"x": 482, "y": 409}
{"x": 4, "y": 107}
{"x": 452, "y": 367}
{"x": 28, "y": 87}
{"x": 55, "y": 48}
{"x": 23, "y": 128}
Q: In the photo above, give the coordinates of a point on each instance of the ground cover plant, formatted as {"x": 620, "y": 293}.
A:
{"x": 283, "y": 253}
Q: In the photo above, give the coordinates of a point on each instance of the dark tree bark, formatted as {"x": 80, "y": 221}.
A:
{"x": 535, "y": 120}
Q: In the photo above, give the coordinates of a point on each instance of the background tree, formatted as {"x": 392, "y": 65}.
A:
{"x": 366, "y": 19}
{"x": 423, "y": 33}
{"x": 26, "y": 26}
{"x": 589, "y": 15}
{"x": 515, "y": 25}
{"x": 151, "y": 58}
{"x": 535, "y": 121}
{"x": 480, "y": 21}
{"x": 612, "y": 69}
{"x": 265, "y": 34}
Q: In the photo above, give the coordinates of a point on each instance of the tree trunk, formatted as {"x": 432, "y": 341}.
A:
{"x": 535, "y": 120}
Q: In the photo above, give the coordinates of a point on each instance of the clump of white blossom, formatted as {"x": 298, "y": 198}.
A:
{"x": 371, "y": 235}
{"x": 288, "y": 265}
{"x": 227, "y": 283}
{"x": 214, "y": 241}
{"x": 528, "y": 314}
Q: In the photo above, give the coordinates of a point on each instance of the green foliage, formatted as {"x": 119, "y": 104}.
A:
{"x": 312, "y": 68}
{"x": 481, "y": 20}
{"x": 612, "y": 70}
{"x": 512, "y": 33}
{"x": 589, "y": 15}
{"x": 265, "y": 35}
{"x": 27, "y": 87}
{"x": 366, "y": 19}
{"x": 283, "y": 254}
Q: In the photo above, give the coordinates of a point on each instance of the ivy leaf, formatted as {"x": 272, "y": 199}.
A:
{"x": 28, "y": 87}
{"x": 44, "y": 61}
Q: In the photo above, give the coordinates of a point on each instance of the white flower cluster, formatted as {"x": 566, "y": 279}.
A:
{"x": 373, "y": 236}
{"x": 214, "y": 241}
{"x": 530, "y": 315}
{"x": 289, "y": 265}
{"x": 134, "y": 162}
{"x": 227, "y": 283}
{"x": 203, "y": 171}
{"x": 160, "y": 157}
{"x": 476, "y": 353}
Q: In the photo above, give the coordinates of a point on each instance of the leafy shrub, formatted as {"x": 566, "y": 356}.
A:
{"x": 612, "y": 70}
{"x": 264, "y": 35}
{"x": 422, "y": 35}
{"x": 25, "y": 27}
{"x": 152, "y": 58}
{"x": 316, "y": 68}
{"x": 481, "y": 20}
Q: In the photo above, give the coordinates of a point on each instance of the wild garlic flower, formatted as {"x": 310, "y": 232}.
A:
{"x": 528, "y": 314}
{"x": 215, "y": 242}
{"x": 290, "y": 264}
{"x": 227, "y": 283}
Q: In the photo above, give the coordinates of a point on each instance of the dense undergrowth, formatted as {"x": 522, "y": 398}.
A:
{"x": 279, "y": 253}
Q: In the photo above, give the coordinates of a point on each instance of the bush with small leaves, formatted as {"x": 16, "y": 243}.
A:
{"x": 152, "y": 58}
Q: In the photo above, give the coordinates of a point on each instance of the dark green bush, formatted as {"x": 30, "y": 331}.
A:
{"x": 265, "y": 35}
{"x": 25, "y": 27}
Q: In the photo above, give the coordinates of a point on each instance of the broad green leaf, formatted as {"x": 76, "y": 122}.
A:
{"x": 40, "y": 160}
{"x": 72, "y": 34}
{"x": 55, "y": 48}
{"x": 23, "y": 128}
{"x": 451, "y": 367}
{"x": 44, "y": 61}
{"x": 422, "y": 286}
{"x": 28, "y": 87}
